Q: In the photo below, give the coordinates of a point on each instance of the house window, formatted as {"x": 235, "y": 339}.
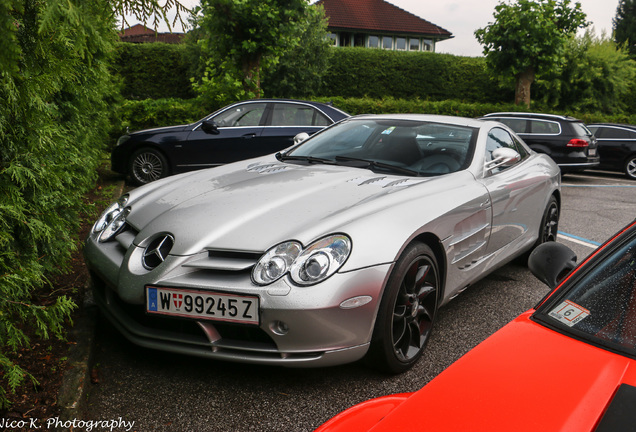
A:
{"x": 358, "y": 40}
{"x": 427, "y": 45}
{"x": 414, "y": 44}
{"x": 374, "y": 42}
{"x": 346, "y": 39}
{"x": 400, "y": 43}
{"x": 333, "y": 38}
{"x": 387, "y": 42}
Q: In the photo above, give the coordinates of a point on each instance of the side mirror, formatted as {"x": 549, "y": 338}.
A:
{"x": 210, "y": 127}
{"x": 551, "y": 262}
{"x": 503, "y": 157}
{"x": 300, "y": 137}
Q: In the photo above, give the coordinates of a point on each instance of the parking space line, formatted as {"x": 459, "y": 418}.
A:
{"x": 579, "y": 240}
{"x": 598, "y": 186}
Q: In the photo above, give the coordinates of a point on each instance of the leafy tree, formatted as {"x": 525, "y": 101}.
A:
{"x": 529, "y": 37}
{"x": 597, "y": 76}
{"x": 625, "y": 25}
{"x": 242, "y": 39}
{"x": 300, "y": 71}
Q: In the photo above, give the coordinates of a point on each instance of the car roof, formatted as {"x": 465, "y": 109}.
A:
{"x": 452, "y": 120}
{"x": 618, "y": 125}
{"x": 327, "y": 105}
{"x": 533, "y": 115}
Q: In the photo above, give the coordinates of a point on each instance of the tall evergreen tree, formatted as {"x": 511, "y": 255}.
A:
{"x": 625, "y": 25}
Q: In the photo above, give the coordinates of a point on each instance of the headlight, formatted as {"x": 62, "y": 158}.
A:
{"x": 122, "y": 139}
{"x": 306, "y": 267}
{"x": 112, "y": 219}
{"x": 275, "y": 263}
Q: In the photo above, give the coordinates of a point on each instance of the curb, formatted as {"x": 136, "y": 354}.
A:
{"x": 72, "y": 394}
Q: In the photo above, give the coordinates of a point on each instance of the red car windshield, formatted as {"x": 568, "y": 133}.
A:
{"x": 600, "y": 304}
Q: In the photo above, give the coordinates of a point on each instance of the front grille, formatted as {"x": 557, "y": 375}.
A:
{"x": 236, "y": 335}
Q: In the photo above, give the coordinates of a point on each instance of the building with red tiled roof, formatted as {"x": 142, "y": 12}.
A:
{"x": 379, "y": 24}
{"x": 142, "y": 34}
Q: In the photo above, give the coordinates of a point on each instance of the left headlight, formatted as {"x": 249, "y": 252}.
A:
{"x": 112, "y": 220}
{"x": 307, "y": 266}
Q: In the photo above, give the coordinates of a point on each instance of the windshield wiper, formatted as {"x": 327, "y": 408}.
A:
{"x": 310, "y": 159}
{"x": 375, "y": 164}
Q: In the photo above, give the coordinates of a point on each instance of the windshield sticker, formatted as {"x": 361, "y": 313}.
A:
{"x": 388, "y": 130}
{"x": 569, "y": 313}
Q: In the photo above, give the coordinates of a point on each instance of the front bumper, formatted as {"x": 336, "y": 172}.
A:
{"x": 318, "y": 330}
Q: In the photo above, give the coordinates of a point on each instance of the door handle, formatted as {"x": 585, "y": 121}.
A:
{"x": 249, "y": 136}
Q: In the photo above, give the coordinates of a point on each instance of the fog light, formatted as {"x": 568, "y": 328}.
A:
{"x": 278, "y": 327}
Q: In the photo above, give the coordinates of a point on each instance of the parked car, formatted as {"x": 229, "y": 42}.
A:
{"x": 567, "y": 365}
{"x": 342, "y": 247}
{"x": 616, "y": 147}
{"x": 236, "y": 132}
{"x": 565, "y": 139}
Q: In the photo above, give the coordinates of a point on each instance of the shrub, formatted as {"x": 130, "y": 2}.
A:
{"x": 153, "y": 70}
{"x": 52, "y": 122}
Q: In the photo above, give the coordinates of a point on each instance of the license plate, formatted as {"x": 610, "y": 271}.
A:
{"x": 202, "y": 305}
{"x": 592, "y": 152}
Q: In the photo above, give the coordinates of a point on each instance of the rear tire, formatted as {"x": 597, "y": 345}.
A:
{"x": 407, "y": 311}
{"x": 147, "y": 165}
{"x": 630, "y": 167}
{"x": 549, "y": 223}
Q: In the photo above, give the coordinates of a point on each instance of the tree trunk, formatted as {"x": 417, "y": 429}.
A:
{"x": 522, "y": 90}
{"x": 252, "y": 76}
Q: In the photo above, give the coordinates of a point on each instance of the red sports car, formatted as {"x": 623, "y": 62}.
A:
{"x": 567, "y": 365}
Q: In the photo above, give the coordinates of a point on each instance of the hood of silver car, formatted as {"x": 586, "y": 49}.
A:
{"x": 253, "y": 206}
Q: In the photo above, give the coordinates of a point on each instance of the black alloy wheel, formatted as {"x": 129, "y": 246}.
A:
{"x": 147, "y": 165}
{"x": 550, "y": 222}
{"x": 407, "y": 311}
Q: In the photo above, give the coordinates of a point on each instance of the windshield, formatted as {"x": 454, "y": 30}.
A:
{"x": 418, "y": 148}
{"x": 601, "y": 305}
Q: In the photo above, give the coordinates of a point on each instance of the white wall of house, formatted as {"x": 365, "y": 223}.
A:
{"x": 382, "y": 41}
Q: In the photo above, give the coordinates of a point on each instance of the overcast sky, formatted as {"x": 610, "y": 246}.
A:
{"x": 463, "y": 17}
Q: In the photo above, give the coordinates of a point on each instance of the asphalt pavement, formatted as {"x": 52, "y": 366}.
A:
{"x": 156, "y": 391}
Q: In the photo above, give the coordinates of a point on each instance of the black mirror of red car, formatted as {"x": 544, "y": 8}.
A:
{"x": 210, "y": 127}
{"x": 551, "y": 262}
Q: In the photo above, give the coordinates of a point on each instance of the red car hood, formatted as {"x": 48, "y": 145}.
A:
{"x": 523, "y": 378}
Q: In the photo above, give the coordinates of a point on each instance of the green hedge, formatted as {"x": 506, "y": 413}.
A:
{"x": 149, "y": 113}
{"x": 159, "y": 70}
{"x": 374, "y": 73}
{"x": 153, "y": 70}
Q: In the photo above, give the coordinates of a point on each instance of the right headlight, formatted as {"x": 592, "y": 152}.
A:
{"x": 307, "y": 266}
{"x": 122, "y": 139}
{"x": 112, "y": 220}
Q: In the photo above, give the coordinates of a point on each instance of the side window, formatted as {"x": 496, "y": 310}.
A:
{"x": 616, "y": 133}
{"x": 297, "y": 115}
{"x": 517, "y": 125}
{"x": 242, "y": 115}
{"x": 498, "y": 138}
{"x": 544, "y": 127}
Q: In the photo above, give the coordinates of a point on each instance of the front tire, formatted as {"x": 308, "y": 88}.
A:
{"x": 407, "y": 311}
{"x": 630, "y": 167}
{"x": 147, "y": 165}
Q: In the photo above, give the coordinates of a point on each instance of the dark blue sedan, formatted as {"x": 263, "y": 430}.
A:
{"x": 239, "y": 131}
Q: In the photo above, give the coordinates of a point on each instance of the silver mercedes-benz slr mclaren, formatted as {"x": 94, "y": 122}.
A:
{"x": 340, "y": 248}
